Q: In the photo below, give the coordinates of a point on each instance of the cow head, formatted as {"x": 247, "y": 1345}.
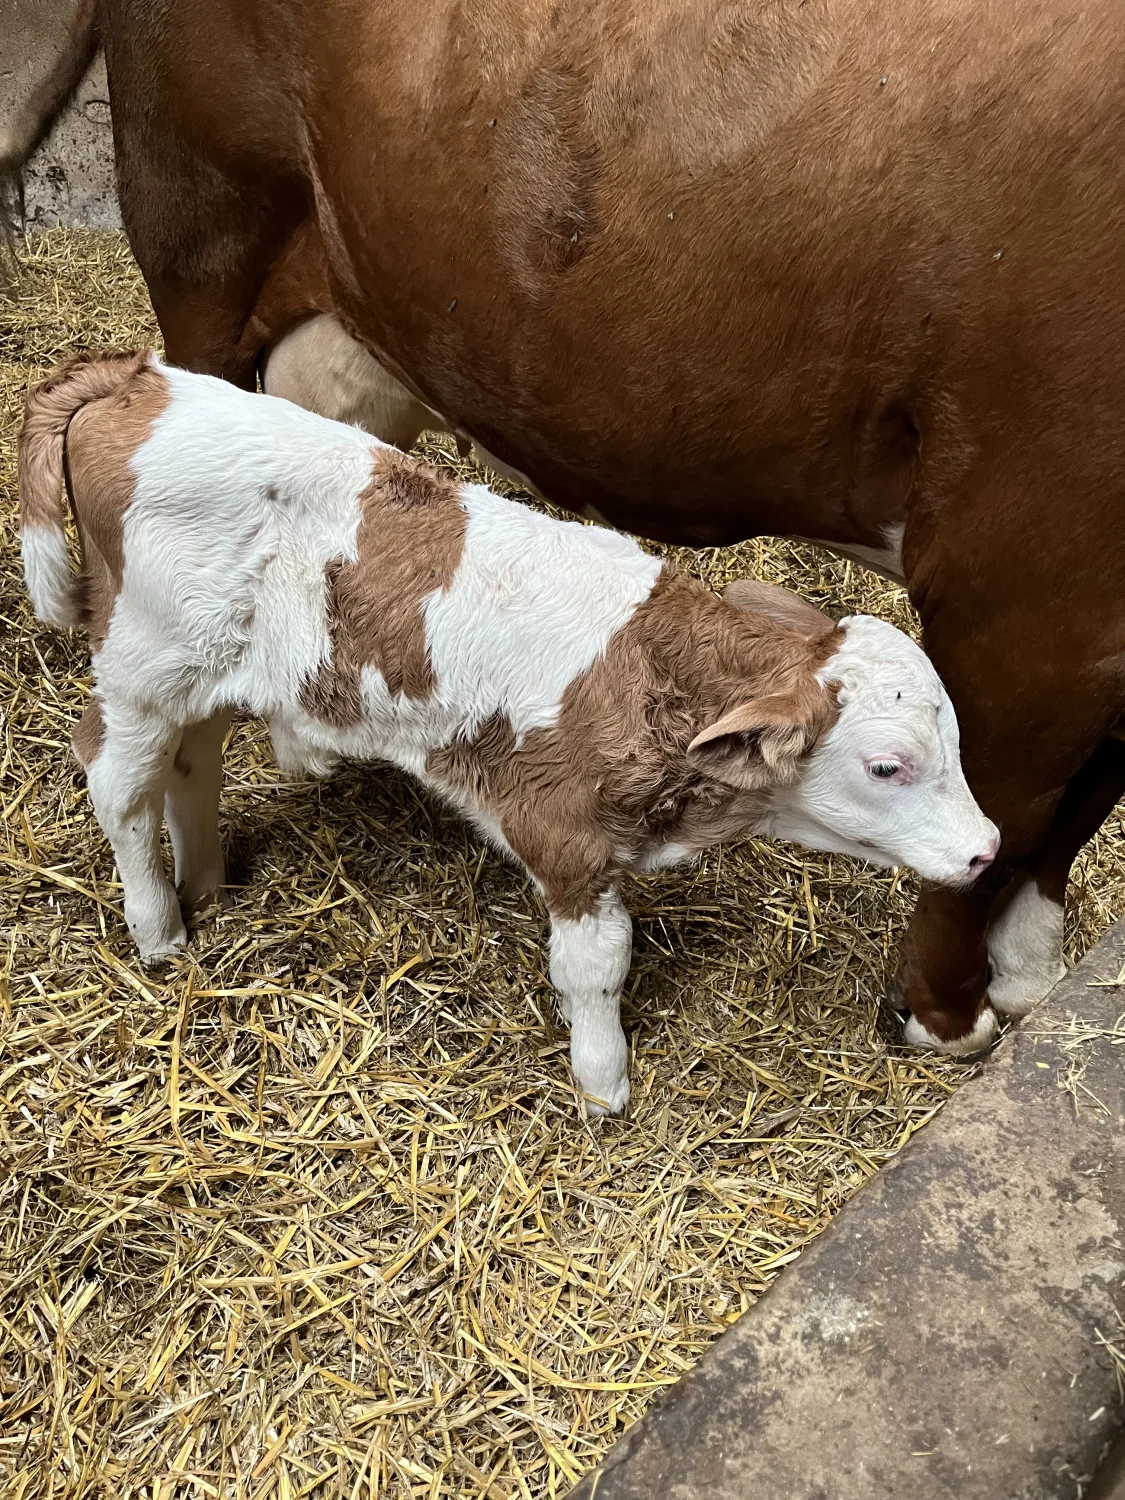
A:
{"x": 880, "y": 778}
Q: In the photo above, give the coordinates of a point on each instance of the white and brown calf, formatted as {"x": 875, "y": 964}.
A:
{"x": 589, "y": 708}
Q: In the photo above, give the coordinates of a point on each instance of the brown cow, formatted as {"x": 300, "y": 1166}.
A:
{"x": 842, "y": 269}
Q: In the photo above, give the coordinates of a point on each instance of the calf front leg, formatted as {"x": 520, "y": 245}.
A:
{"x": 590, "y": 957}
{"x": 191, "y": 809}
{"x": 127, "y": 777}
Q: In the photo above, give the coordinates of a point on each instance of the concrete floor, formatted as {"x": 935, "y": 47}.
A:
{"x": 955, "y": 1333}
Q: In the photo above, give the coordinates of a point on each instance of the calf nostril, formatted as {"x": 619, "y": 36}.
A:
{"x": 981, "y": 862}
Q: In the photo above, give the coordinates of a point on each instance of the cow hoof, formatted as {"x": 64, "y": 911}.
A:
{"x": 1017, "y": 995}
{"x": 981, "y": 1036}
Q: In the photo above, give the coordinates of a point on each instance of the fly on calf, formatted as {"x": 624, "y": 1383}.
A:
{"x": 589, "y": 708}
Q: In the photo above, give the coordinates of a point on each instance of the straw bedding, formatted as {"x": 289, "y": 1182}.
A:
{"x": 314, "y": 1213}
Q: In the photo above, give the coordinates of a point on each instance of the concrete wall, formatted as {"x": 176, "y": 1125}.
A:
{"x": 70, "y": 179}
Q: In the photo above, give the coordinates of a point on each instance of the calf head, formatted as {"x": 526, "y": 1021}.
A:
{"x": 862, "y": 758}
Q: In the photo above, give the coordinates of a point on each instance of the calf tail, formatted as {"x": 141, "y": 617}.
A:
{"x": 56, "y": 591}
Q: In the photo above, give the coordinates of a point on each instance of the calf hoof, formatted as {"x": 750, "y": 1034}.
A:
{"x": 981, "y": 1036}
{"x": 208, "y": 896}
{"x": 163, "y": 952}
{"x": 605, "y": 1089}
{"x": 608, "y": 1102}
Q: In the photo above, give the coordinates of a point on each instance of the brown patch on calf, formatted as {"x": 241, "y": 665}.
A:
{"x": 104, "y": 435}
{"x": 49, "y": 412}
{"x": 616, "y": 773}
{"x": 409, "y": 543}
{"x": 89, "y": 734}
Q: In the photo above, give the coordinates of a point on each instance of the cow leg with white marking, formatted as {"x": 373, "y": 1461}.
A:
{"x": 191, "y": 809}
{"x": 1025, "y": 940}
{"x": 1025, "y": 936}
{"x": 1042, "y": 787}
{"x": 590, "y": 958}
{"x": 127, "y": 782}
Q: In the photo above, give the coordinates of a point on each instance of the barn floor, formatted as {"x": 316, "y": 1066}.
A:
{"x": 313, "y": 1214}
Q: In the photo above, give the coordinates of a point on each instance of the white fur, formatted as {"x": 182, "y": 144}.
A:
{"x": 191, "y": 808}
{"x": 566, "y": 588}
{"x": 589, "y": 962}
{"x": 892, "y": 706}
{"x": 48, "y": 577}
{"x": 663, "y": 856}
{"x": 126, "y": 783}
{"x": 1025, "y": 942}
{"x": 981, "y": 1036}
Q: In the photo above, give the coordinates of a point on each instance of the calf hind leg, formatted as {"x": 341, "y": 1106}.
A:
{"x": 191, "y": 809}
{"x": 127, "y": 778}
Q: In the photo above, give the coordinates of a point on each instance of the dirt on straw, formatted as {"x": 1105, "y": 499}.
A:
{"x": 314, "y": 1213}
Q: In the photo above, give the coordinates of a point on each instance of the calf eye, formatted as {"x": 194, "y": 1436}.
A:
{"x": 883, "y": 770}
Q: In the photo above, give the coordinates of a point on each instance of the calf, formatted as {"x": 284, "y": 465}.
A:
{"x": 586, "y": 706}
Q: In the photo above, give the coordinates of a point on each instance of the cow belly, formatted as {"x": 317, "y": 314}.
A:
{"x": 319, "y": 366}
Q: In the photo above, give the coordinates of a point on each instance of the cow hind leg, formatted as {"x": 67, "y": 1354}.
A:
{"x": 320, "y": 367}
{"x": 127, "y": 779}
{"x": 205, "y": 286}
{"x": 1025, "y": 935}
{"x": 205, "y": 235}
{"x": 191, "y": 809}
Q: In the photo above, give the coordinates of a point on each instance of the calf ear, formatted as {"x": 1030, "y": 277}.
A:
{"x": 779, "y": 604}
{"x": 760, "y": 743}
